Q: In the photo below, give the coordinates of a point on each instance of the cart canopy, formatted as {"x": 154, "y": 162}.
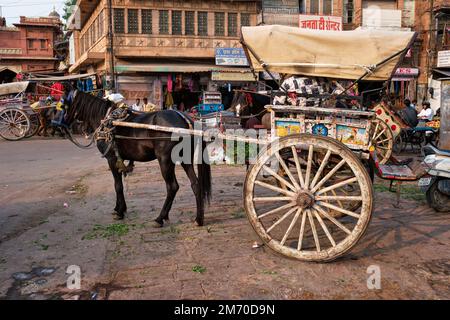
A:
{"x": 334, "y": 54}
{"x": 13, "y": 87}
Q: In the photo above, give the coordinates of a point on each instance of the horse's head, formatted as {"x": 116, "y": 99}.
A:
{"x": 239, "y": 103}
{"x": 86, "y": 108}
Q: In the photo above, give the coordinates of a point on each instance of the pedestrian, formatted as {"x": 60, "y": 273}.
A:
{"x": 427, "y": 113}
{"x": 148, "y": 107}
{"x": 137, "y": 106}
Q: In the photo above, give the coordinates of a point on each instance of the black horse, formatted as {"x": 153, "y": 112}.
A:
{"x": 144, "y": 146}
{"x": 248, "y": 105}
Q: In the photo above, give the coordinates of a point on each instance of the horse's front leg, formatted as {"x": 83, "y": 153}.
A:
{"x": 121, "y": 205}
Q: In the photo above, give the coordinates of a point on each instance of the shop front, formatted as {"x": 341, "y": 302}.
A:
{"x": 404, "y": 84}
{"x": 169, "y": 85}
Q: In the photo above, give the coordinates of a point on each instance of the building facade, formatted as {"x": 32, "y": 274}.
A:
{"x": 162, "y": 46}
{"x": 28, "y": 46}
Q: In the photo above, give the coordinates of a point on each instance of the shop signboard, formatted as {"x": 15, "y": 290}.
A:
{"x": 319, "y": 22}
{"x": 231, "y": 57}
{"x": 232, "y": 76}
{"x": 443, "y": 59}
{"x": 406, "y": 72}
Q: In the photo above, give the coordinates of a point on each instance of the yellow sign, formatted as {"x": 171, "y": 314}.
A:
{"x": 232, "y": 76}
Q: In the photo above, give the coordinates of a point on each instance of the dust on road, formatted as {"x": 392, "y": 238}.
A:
{"x": 131, "y": 260}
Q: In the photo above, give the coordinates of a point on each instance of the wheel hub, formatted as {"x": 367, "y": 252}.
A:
{"x": 305, "y": 199}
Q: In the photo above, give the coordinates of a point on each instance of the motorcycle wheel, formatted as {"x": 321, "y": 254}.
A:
{"x": 437, "y": 200}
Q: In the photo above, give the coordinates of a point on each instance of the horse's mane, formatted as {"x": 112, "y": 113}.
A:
{"x": 88, "y": 108}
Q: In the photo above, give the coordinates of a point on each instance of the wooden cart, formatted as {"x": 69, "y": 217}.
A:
{"x": 309, "y": 194}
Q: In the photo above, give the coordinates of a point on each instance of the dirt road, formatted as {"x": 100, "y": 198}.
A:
{"x": 40, "y": 237}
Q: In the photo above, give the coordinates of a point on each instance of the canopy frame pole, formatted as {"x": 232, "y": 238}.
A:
{"x": 248, "y": 49}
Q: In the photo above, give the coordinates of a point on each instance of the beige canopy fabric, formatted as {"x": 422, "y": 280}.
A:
{"x": 334, "y": 54}
{"x": 13, "y": 87}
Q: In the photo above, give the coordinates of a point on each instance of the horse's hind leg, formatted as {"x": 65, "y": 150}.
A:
{"x": 121, "y": 206}
{"x": 189, "y": 169}
{"x": 168, "y": 173}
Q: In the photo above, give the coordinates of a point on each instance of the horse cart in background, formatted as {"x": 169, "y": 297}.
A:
{"x": 17, "y": 119}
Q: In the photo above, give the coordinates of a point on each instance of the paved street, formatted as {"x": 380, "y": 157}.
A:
{"x": 40, "y": 237}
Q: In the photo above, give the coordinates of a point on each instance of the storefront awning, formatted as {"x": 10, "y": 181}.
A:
{"x": 64, "y": 78}
{"x": 176, "y": 68}
{"x": 441, "y": 74}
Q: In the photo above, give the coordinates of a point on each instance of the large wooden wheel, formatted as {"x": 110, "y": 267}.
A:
{"x": 14, "y": 124}
{"x": 382, "y": 139}
{"x": 34, "y": 125}
{"x": 300, "y": 220}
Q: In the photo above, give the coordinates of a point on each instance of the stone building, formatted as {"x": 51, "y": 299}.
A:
{"x": 28, "y": 46}
{"x": 160, "y": 45}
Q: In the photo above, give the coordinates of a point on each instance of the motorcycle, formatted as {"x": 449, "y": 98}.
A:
{"x": 436, "y": 182}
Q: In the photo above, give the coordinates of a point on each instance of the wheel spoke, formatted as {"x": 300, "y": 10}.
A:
{"x": 297, "y": 165}
{"x": 324, "y": 227}
{"x": 286, "y": 215}
{"x": 286, "y": 169}
{"x": 376, "y": 130}
{"x": 329, "y": 217}
{"x": 286, "y": 206}
{"x": 333, "y": 207}
{"x": 271, "y": 199}
{"x": 337, "y": 185}
{"x": 279, "y": 178}
{"x": 313, "y": 228}
{"x": 339, "y": 198}
{"x": 273, "y": 188}
{"x": 328, "y": 176}
{"x": 302, "y": 231}
{"x": 381, "y": 133}
{"x": 293, "y": 222}
{"x": 309, "y": 165}
{"x": 322, "y": 166}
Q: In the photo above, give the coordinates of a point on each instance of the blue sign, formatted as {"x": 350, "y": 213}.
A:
{"x": 231, "y": 57}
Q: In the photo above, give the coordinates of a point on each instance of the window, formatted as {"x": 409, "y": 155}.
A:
{"x": 189, "y": 21}
{"x": 202, "y": 18}
{"x": 348, "y": 11}
{"x": 163, "y": 22}
{"x": 219, "y": 23}
{"x": 245, "y": 19}
{"x": 30, "y": 43}
{"x": 100, "y": 24}
{"x": 327, "y": 7}
{"x": 176, "y": 22}
{"x": 314, "y": 6}
{"x": 232, "y": 24}
{"x": 146, "y": 21}
{"x": 119, "y": 20}
{"x": 133, "y": 23}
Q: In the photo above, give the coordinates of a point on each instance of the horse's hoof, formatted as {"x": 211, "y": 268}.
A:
{"x": 157, "y": 225}
{"x": 117, "y": 216}
{"x": 200, "y": 223}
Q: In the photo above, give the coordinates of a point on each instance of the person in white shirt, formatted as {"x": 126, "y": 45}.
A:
{"x": 137, "y": 106}
{"x": 427, "y": 113}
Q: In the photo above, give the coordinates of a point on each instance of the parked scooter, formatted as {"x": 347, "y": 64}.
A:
{"x": 436, "y": 183}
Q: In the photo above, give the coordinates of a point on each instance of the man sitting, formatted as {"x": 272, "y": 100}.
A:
{"x": 427, "y": 113}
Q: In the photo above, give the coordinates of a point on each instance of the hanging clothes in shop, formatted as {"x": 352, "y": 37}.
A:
{"x": 169, "y": 100}
{"x": 57, "y": 91}
{"x": 169, "y": 83}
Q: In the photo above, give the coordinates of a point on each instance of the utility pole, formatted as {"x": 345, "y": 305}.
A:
{"x": 112, "y": 73}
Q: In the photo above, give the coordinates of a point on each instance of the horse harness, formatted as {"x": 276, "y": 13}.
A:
{"x": 106, "y": 132}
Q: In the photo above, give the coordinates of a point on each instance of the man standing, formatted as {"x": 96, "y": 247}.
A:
{"x": 137, "y": 106}
{"x": 148, "y": 107}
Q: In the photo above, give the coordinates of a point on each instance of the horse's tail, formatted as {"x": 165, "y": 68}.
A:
{"x": 204, "y": 175}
